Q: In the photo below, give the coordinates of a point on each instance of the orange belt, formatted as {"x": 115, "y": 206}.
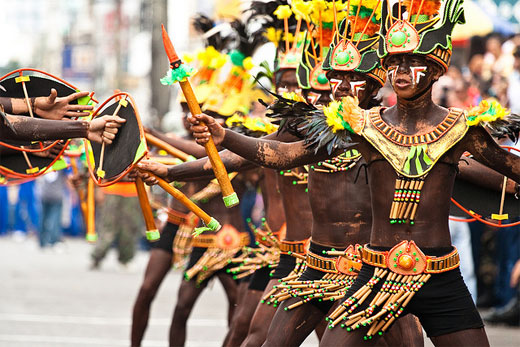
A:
{"x": 226, "y": 238}
{"x": 407, "y": 259}
{"x": 348, "y": 263}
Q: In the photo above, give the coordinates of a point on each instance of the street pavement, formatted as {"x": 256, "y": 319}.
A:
{"x": 52, "y": 298}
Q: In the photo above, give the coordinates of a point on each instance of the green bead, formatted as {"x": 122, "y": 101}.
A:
{"x": 398, "y": 38}
{"x": 342, "y": 58}
{"x": 322, "y": 79}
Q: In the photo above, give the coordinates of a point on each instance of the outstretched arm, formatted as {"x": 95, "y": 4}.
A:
{"x": 263, "y": 151}
{"x": 101, "y": 129}
{"x": 480, "y": 175}
{"x": 488, "y": 152}
{"x": 196, "y": 170}
{"x": 49, "y": 107}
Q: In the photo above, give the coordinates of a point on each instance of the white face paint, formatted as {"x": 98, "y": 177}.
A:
{"x": 417, "y": 73}
{"x": 313, "y": 97}
{"x": 357, "y": 86}
{"x": 392, "y": 70}
{"x": 334, "y": 84}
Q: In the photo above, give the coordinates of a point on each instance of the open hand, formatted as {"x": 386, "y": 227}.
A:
{"x": 104, "y": 129}
{"x": 202, "y": 133}
{"x": 148, "y": 166}
{"x": 53, "y": 107}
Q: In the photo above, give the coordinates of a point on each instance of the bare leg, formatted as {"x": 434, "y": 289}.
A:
{"x": 320, "y": 328}
{"x": 242, "y": 317}
{"x": 158, "y": 266}
{"x": 291, "y": 328}
{"x": 340, "y": 337}
{"x": 231, "y": 289}
{"x": 242, "y": 290}
{"x": 261, "y": 321}
{"x": 406, "y": 331}
{"x": 189, "y": 292}
{"x": 468, "y": 337}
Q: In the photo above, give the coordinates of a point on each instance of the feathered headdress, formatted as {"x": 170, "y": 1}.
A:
{"x": 415, "y": 26}
{"x": 319, "y": 18}
{"x": 355, "y": 42}
{"x": 208, "y": 60}
{"x": 236, "y": 93}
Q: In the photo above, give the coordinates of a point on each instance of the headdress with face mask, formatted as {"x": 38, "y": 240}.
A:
{"x": 354, "y": 47}
{"x": 417, "y": 27}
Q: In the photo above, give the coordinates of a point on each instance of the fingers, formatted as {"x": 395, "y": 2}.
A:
{"x": 76, "y": 114}
{"x": 52, "y": 96}
{"x": 199, "y": 129}
{"x": 148, "y": 178}
{"x": 78, "y": 95}
{"x": 74, "y": 107}
{"x": 114, "y": 120}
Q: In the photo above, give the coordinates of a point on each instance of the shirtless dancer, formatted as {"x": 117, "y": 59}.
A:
{"x": 338, "y": 211}
{"x": 161, "y": 256}
{"x": 413, "y": 146}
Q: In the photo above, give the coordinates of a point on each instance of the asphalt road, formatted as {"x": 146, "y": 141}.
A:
{"x": 51, "y": 298}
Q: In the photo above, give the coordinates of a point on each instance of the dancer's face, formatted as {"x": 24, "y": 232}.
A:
{"x": 288, "y": 82}
{"x": 350, "y": 83}
{"x": 411, "y": 75}
{"x": 317, "y": 97}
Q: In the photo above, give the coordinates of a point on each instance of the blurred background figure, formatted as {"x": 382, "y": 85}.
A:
{"x": 53, "y": 190}
{"x": 118, "y": 222}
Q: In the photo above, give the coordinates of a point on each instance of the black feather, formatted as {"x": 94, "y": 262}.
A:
{"x": 202, "y": 25}
{"x": 509, "y": 127}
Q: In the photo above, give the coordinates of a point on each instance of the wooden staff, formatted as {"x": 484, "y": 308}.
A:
{"x": 500, "y": 215}
{"x": 210, "y": 222}
{"x": 229, "y": 196}
{"x": 22, "y": 79}
{"x": 152, "y": 233}
{"x": 99, "y": 172}
{"x": 91, "y": 212}
{"x": 174, "y": 152}
{"x": 81, "y": 192}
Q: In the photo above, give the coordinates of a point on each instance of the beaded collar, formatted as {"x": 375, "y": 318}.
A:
{"x": 398, "y": 138}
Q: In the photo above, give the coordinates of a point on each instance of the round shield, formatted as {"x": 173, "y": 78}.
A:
{"x": 31, "y": 83}
{"x": 109, "y": 163}
{"x": 471, "y": 202}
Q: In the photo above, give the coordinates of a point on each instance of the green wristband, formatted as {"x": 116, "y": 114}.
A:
{"x": 231, "y": 200}
{"x": 153, "y": 235}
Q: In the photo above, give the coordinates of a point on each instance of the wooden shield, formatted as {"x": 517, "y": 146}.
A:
{"x": 126, "y": 150}
{"x": 31, "y": 164}
{"x": 475, "y": 203}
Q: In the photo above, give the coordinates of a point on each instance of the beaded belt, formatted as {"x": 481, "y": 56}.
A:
{"x": 227, "y": 238}
{"x": 407, "y": 259}
{"x": 298, "y": 247}
{"x": 344, "y": 262}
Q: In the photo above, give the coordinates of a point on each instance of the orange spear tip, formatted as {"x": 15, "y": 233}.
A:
{"x": 175, "y": 62}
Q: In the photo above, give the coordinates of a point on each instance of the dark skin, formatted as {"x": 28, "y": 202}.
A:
{"x": 160, "y": 262}
{"x": 100, "y": 129}
{"x": 295, "y": 204}
{"x": 332, "y": 212}
{"x": 415, "y": 112}
{"x": 48, "y": 107}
